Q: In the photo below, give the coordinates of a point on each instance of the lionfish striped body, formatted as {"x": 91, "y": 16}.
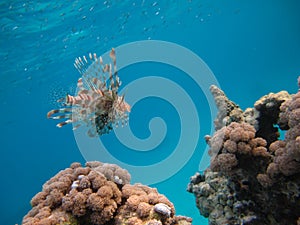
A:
{"x": 97, "y": 103}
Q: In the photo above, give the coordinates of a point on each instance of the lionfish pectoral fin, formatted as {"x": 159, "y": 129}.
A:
{"x": 77, "y": 126}
{"x": 59, "y": 125}
{"x": 65, "y": 116}
{"x": 65, "y": 111}
{"x": 52, "y": 112}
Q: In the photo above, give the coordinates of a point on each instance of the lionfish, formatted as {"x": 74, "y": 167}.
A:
{"x": 97, "y": 103}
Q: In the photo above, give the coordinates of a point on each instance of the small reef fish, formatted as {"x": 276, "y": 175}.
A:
{"x": 97, "y": 103}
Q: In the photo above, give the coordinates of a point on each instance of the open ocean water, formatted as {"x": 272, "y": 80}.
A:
{"x": 251, "y": 47}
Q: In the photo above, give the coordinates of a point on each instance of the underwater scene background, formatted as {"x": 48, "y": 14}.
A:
{"x": 251, "y": 47}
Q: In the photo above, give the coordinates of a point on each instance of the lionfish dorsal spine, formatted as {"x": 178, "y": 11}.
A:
{"x": 112, "y": 55}
{"x": 95, "y": 56}
{"x": 85, "y": 59}
{"x": 97, "y": 103}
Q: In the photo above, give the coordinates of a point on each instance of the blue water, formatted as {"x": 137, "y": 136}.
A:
{"x": 252, "y": 47}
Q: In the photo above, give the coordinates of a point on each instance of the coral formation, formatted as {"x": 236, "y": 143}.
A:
{"x": 228, "y": 110}
{"x": 99, "y": 194}
{"x": 269, "y": 108}
{"x": 253, "y": 178}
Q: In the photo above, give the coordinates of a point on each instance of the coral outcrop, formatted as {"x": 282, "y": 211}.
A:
{"x": 253, "y": 178}
{"x": 228, "y": 111}
{"x": 99, "y": 194}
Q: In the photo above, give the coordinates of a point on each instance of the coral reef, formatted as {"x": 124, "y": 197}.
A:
{"x": 228, "y": 111}
{"x": 99, "y": 194}
{"x": 253, "y": 178}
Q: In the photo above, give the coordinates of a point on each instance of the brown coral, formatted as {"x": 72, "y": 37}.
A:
{"x": 141, "y": 202}
{"x": 287, "y": 152}
{"x": 254, "y": 178}
{"x": 269, "y": 107}
{"x": 227, "y": 161}
{"x": 233, "y": 141}
{"x": 97, "y": 194}
{"x": 78, "y": 191}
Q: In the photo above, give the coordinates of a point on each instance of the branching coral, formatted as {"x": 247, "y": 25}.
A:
{"x": 99, "y": 194}
{"x": 254, "y": 178}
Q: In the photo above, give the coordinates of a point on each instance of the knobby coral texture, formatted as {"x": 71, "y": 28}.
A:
{"x": 254, "y": 175}
{"x": 99, "y": 194}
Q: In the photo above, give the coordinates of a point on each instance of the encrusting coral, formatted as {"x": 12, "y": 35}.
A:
{"x": 253, "y": 178}
{"x": 99, "y": 194}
